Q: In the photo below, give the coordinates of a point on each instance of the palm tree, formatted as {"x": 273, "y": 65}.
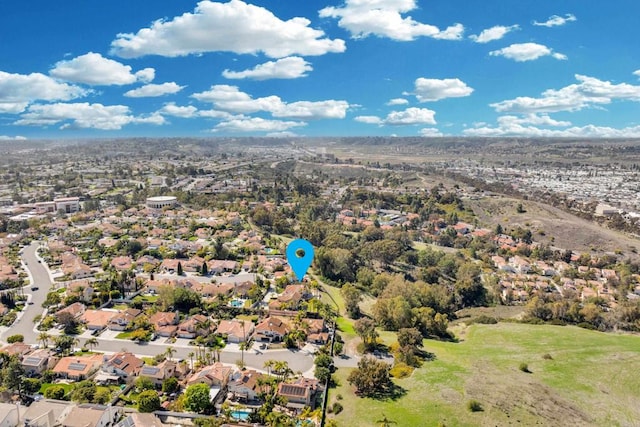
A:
{"x": 92, "y": 342}
{"x": 190, "y": 355}
{"x": 217, "y": 346}
{"x": 281, "y": 368}
{"x": 44, "y": 339}
{"x": 269, "y": 364}
{"x": 170, "y": 351}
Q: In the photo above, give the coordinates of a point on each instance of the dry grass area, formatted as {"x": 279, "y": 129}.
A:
{"x": 553, "y": 226}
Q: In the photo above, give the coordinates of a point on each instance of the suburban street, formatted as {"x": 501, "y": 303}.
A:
{"x": 39, "y": 276}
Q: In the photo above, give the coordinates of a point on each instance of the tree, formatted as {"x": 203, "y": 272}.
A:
{"x": 409, "y": 343}
{"x": 468, "y": 287}
{"x": 410, "y": 337}
{"x": 144, "y": 383}
{"x": 55, "y": 392}
{"x": 204, "y": 270}
{"x": 92, "y": 342}
{"x": 180, "y": 272}
{"x": 170, "y": 351}
{"x": 15, "y": 338}
{"x": 31, "y": 385}
{"x": 44, "y": 338}
{"x": 366, "y": 330}
{"x": 148, "y": 401}
{"x": 68, "y": 321}
{"x": 197, "y": 398}
{"x": 352, "y": 297}
{"x": 190, "y": 355}
{"x": 102, "y": 396}
{"x": 84, "y": 391}
{"x": 371, "y": 377}
{"x": 65, "y": 343}
{"x": 170, "y": 385}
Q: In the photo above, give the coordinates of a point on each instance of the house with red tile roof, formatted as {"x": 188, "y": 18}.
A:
{"x": 122, "y": 263}
{"x": 235, "y": 331}
{"x": 166, "y": 323}
{"x": 78, "y": 368}
{"x": 271, "y": 329}
{"x": 192, "y": 327}
{"x": 124, "y": 365}
{"x": 216, "y": 375}
{"x": 123, "y": 319}
{"x": 244, "y": 385}
{"x": 97, "y": 320}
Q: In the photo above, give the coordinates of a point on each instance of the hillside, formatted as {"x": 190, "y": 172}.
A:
{"x": 589, "y": 380}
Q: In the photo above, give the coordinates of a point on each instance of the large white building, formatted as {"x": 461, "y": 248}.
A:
{"x": 67, "y": 204}
{"x": 161, "y": 202}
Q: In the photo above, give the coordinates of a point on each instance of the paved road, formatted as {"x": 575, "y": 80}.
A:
{"x": 40, "y": 278}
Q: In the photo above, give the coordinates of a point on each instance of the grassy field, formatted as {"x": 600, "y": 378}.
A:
{"x": 589, "y": 379}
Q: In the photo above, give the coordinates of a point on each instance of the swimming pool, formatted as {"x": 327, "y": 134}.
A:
{"x": 240, "y": 414}
{"x": 236, "y": 303}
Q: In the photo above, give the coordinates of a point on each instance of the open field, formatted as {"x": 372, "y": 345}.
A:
{"x": 590, "y": 379}
{"x": 568, "y": 231}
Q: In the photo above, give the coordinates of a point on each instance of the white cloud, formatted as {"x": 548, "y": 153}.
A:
{"x": 410, "y": 116}
{"x": 435, "y": 89}
{"x": 83, "y": 116}
{"x": 521, "y": 52}
{"x": 636, "y": 73}
{"x": 383, "y": 18}
{"x": 256, "y": 124}
{"x": 292, "y": 67}
{"x": 94, "y": 69}
{"x": 398, "y": 101}
{"x": 229, "y": 98}
{"x": 234, "y": 26}
{"x": 589, "y": 92}
{"x": 285, "y": 134}
{"x": 589, "y": 131}
{"x": 152, "y": 90}
{"x": 556, "y": 21}
{"x": 309, "y": 110}
{"x": 186, "y": 112}
{"x": 430, "y": 132}
{"x": 371, "y": 120}
{"x": 531, "y": 119}
{"x": 12, "y": 138}
{"x": 19, "y": 90}
{"x": 493, "y": 33}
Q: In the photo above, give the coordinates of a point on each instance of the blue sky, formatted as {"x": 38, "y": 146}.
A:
{"x": 89, "y": 68}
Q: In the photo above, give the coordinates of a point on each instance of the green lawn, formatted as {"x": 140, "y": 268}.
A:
{"x": 45, "y": 386}
{"x": 591, "y": 379}
{"x": 124, "y": 335}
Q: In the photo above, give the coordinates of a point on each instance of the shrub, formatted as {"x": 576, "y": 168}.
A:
{"x": 401, "y": 370}
{"x": 524, "y": 368}
{"x": 15, "y": 338}
{"x": 483, "y": 319}
{"x": 55, "y": 392}
{"x": 339, "y": 396}
{"x": 474, "y": 406}
{"x": 547, "y": 356}
{"x": 337, "y": 407}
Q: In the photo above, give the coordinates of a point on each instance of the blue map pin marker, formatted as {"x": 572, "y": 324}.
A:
{"x": 300, "y": 257}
